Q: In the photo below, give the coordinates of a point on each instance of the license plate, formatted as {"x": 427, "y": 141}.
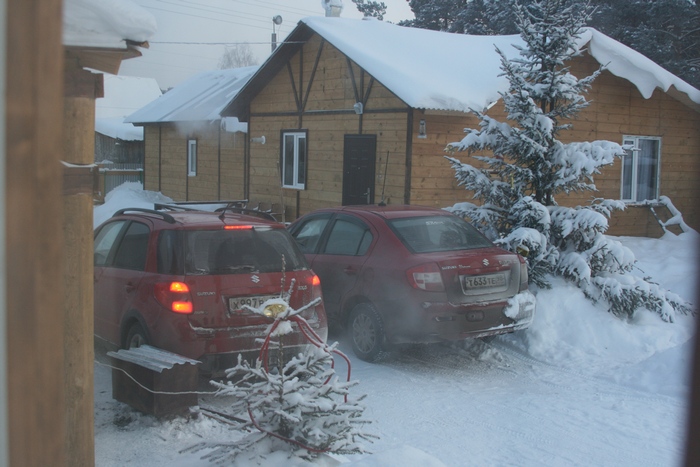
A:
{"x": 237, "y": 303}
{"x": 480, "y": 282}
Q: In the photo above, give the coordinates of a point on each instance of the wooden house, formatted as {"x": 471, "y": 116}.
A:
{"x": 192, "y": 152}
{"x": 360, "y": 111}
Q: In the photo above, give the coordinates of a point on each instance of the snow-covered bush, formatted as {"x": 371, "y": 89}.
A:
{"x": 529, "y": 166}
{"x": 302, "y": 407}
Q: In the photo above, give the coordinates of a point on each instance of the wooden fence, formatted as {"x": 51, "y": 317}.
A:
{"x": 111, "y": 175}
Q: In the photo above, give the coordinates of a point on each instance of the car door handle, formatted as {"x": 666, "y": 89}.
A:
{"x": 129, "y": 287}
{"x": 349, "y": 270}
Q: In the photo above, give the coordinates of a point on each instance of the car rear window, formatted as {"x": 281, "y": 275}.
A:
{"x": 241, "y": 251}
{"x": 437, "y": 233}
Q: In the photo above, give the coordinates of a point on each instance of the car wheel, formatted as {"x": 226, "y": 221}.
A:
{"x": 366, "y": 332}
{"x": 136, "y": 337}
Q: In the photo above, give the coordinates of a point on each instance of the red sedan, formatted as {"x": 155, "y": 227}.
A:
{"x": 410, "y": 274}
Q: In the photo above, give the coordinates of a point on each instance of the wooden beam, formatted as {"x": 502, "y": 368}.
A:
{"x": 105, "y": 60}
{"x": 81, "y": 87}
{"x": 34, "y": 233}
{"x": 294, "y": 87}
{"x": 313, "y": 74}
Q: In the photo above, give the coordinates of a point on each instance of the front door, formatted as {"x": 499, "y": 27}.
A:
{"x": 359, "y": 158}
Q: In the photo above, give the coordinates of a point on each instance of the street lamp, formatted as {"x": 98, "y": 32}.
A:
{"x": 276, "y": 21}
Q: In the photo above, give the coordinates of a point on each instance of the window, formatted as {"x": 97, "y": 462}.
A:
{"x": 191, "y": 157}
{"x": 437, "y": 233}
{"x": 640, "y": 168}
{"x": 104, "y": 241}
{"x": 131, "y": 253}
{"x": 170, "y": 258}
{"x": 348, "y": 238}
{"x": 294, "y": 160}
{"x": 308, "y": 235}
{"x": 241, "y": 252}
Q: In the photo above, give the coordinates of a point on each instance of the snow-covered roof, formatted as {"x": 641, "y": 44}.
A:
{"x": 202, "y": 97}
{"x": 114, "y": 127}
{"x": 457, "y": 72}
{"x": 123, "y": 95}
{"x": 641, "y": 71}
{"x": 105, "y": 23}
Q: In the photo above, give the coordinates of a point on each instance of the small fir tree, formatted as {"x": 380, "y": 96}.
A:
{"x": 301, "y": 407}
{"x": 530, "y": 166}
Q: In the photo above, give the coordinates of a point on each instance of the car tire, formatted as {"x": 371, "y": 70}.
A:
{"x": 366, "y": 332}
{"x": 136, "y": 337}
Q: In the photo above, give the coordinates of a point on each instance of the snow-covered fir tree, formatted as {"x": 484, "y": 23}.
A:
{"x": 371, "y": 8}
{"x": 529, "y": 166}
{"x": 301, "y": 408}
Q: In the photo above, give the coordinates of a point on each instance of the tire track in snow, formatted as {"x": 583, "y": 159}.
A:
{"x": 518, "y": 399}
{"x": 614, "y": 388}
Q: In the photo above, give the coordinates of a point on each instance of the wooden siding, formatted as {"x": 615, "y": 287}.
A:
{"x": 617, "y": 109}
{"x": 117, "y": 150}
{"x": 151, "y": 168}
{"x": 220, "y": 162}
{"x": 327, "y": 86}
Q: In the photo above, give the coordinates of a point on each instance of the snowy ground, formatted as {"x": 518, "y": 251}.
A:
{"x": 578, "y": 388}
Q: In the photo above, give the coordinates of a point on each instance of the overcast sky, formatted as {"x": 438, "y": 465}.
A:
{"x": 181, "y": 47}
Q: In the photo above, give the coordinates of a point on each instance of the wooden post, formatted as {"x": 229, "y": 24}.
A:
{"x": 81, "y": 89}
{"x": 34, "y": 235}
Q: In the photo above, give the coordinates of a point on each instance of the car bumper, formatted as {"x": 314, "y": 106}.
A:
{"x": 440, "y": 321}
{"x": 218, "y": 349}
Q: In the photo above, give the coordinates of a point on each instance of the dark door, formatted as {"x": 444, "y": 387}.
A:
{"x": 359, "y": 157}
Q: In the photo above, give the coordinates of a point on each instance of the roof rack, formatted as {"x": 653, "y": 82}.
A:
{"x": 183, "y": 204}
{"x": 237, "y": 206}
{"x": 172, "y": 207}
{"x": 242, "y": 210}
{"x": 166, "y": 217}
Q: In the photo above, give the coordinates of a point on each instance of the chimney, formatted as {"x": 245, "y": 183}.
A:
{"x": 332, "y": 7}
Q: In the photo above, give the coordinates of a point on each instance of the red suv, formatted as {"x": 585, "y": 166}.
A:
{"x": 409, "y": 274}
{"x": 177, "y": 279}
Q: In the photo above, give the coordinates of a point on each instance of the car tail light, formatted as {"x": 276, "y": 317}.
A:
{"x": 238, "y": 227}
{"x": 175, "y": 296}
{"x": 523, "y": 276}
{"x": 313, "y": 284}
{"x": 426, "y": 277}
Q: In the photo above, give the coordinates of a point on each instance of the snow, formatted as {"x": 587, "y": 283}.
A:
{"x": 114, "y": 127}
{"x": 446, "y": 78}
{"x": 105, "y": 23}
{"x": 580, "y": 387}
{"x": 201, "y": 98}
{"x": 458, "y": 72}
{"x": 627, "y": 63}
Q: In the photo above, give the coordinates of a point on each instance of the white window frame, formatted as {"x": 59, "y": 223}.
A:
{"x": 298, "y": 174}
{"x": 634, "y": 153}
{"x": 191, "y": 157}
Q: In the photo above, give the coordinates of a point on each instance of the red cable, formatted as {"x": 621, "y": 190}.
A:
{"x": 316, "y": 340}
